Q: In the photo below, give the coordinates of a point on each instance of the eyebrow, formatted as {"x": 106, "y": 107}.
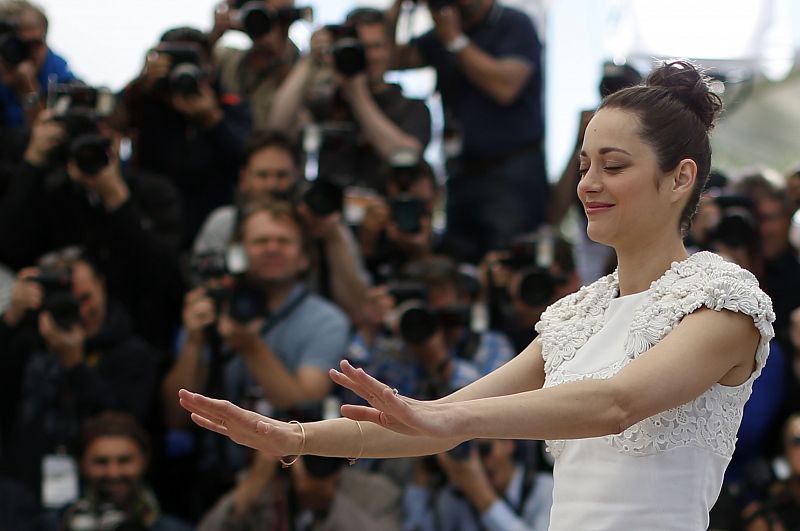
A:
{"x": 605, "y": 150}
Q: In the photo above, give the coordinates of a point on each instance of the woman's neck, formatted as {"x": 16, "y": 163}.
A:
{"x": 638, "y": 267}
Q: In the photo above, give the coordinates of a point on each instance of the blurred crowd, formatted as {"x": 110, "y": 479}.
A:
{"x": 237, "y": 221}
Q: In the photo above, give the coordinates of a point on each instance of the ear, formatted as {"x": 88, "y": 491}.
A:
{"x": 684, "y": 179}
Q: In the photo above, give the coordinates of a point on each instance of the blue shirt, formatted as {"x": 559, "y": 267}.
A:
{"x": 314, "y": 333}
{"x": 392, "y": 363}
{"x": 490, "y": 129}
{"x": 451, "y": 512}
{"x": 54, "y": 65}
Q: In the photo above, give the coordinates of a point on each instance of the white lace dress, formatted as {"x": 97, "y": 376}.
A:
{"x": 665, "y": 472}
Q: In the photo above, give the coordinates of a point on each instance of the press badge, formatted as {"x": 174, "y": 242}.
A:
{"x": 60, "y": 481}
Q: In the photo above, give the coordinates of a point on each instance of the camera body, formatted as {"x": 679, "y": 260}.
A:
{"x": 13, "y": 50}
{"x": 186, "y": 68}
{"x": 533, "y": 258}
{"x": 349, "y": 56}
{"x": 258, "y": 19}
{"x": 58, "y": 298}
{"x": 323, "y": 198}
{"x": 78, "y": 108}
{"x": 228, "y": 286}
{"x": 407, "y": 212}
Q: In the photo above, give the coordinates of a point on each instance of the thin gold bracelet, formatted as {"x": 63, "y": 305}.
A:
{"x": 284, "y": 464}
{"x": 352, "y": 460}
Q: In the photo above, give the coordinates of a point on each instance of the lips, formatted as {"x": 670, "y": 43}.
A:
{"x": 593, "y": 207}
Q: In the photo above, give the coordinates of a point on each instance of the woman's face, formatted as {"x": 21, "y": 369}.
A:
{"x": 626, "y": 197}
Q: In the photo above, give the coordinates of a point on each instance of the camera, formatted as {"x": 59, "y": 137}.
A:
{"x": 186, "y": 70}
{"x": 436, "y": 5}
{"x": 13, "y": 50}
{"x": 418, "y": 322}
{"x": 349, "y": 57}
{"x": 257, "y": 18}
{"x": 533, "y": 257}
{"x": 407, "y": 212}
{"x": 78, "y": 108}
{"x": 228, "y": 286}
{"x": 58, "y": 298}
{"x": 324, "y": 198}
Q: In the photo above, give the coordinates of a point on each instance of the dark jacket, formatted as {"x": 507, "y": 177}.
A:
{"x": 135, "y": 247}
{"x": 44, "y": 404}
{"x": 202, "y": 163}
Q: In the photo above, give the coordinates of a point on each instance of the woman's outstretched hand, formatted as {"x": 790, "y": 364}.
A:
{"x": 240, "y": 425}
{"x": 391, "y": 409}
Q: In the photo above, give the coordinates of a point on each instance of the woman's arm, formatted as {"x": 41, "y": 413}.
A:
{"x": 706, "y": 348}
{"x": 342, "y": 437}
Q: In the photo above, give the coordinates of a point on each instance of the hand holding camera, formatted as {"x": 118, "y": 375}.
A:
{"x": 201, "y": 108}
{"x": 46, "y": 135}
{"x": 86, "y": 167}
{"x": 447, "y": 21}
{"x": 25, "y": 296}
{"x": 243, "y": 338}
{"x": 199, "y": 312}
{"x": 156, "y": 66}
{"x": 65, "y": 344}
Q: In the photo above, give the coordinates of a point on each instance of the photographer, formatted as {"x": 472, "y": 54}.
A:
{"x": 491, "y": 488}
{"x": 271, "y": 171}
{"x": 340, "y": 87}
{"x": 185, "y": 126}
{"x": 256, "y": 73}
{"x": 71, "y": 189}
{"x": 265, "y": 341}
{"x": 488, "y": 61}
{"x": 69, "y": 352}
{"x": 441, "y": 351}
{"x": 522, "y": 280}
{"x": 781, "y": 259}
{"x": 398, "y": 228}
{"x": 115, "y": 455}
{"x": 27, "y": 64}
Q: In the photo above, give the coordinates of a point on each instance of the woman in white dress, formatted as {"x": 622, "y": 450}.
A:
{"x": 637, "y": 381}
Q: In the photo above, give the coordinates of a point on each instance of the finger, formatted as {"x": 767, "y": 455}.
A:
{"x": 366, "y": 413}
{"x": 374, "y": 387}
{"x": 350, "y": 383}
{"x": 208, "y": 424}
{"x": 208, "y": 407}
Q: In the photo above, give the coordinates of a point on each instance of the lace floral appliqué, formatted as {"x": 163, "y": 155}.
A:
{"x": 704, "y": 279}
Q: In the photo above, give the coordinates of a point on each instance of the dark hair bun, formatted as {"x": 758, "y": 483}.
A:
{"x": 687, "y": 84}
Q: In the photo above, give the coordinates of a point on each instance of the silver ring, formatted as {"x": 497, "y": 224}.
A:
{"x": 396, "y": 392}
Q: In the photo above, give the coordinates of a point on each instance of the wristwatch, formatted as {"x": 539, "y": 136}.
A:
{"x": 457, "y": 44}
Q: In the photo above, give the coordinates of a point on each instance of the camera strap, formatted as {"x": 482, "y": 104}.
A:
{"x": 286, "y": 311}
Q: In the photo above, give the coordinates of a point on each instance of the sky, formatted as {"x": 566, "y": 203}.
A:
{"x": 106, "y": 41}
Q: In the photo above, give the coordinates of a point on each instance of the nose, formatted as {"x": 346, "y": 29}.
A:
{"x": 590, "y": 183}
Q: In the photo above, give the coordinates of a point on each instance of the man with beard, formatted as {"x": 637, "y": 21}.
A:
{"x": 255, "y": 73}
{"x": 116, "y": 452}
{"x": 263, "y": 341}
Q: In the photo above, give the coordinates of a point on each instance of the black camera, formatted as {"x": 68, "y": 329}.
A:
{"x": 407, "y": 212}
{"x": 418, "y": 323}
{"x": 349, "y": 57}
{"x": 13, "y": 50}
{"x": 532, "y": 258}
{"x": 186, "y": 70}
{"x": 258, "y": 19}
{"x": 228, "y": 286}
{"x": 79, "y": 107}
{"x": 324, "y": 198}
{"x": 436, "y": 5}
{"x": 58, "y": 298}
{"x": 242, "y": 300}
